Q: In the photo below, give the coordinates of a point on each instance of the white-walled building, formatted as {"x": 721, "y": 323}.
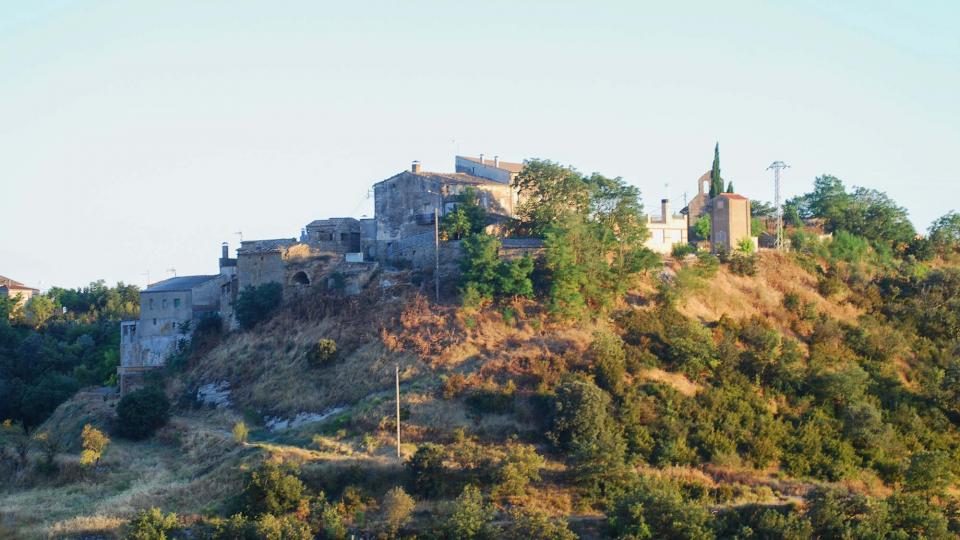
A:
{"x": 667, "y": 230}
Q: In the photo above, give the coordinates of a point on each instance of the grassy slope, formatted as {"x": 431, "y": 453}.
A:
{"x": 194, "y": 466}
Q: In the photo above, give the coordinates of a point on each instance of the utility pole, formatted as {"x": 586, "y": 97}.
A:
{"x": 436, "y": 253}
{"x": 397, "y": 367}
{"x": 778, "y": 166}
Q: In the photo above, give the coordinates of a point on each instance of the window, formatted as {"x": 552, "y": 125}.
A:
{"x": 343, "y": 237}
{"x": 176, "y": 302}
{"x": 720, "y": 204}
{"x": 164, "y": 306}
{"x": 154, "y": 322}
{"x": 151, "y": 304}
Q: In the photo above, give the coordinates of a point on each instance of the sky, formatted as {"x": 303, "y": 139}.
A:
{"x": 135, "y": 137}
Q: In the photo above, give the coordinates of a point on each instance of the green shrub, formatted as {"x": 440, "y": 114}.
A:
{"x": 533, "y": 524}
{"x": 268, "y": 489}
{"x": 609, "y": 359}
{"x": 491, "y": 399}
{"x": 680, "y": 250}
{"x": 240, "y": 432}
{"x": 658, "y": 509}
{"x": 256, "y": 304}
{"x": 323, "y": 352}
{"x": 745, "y": 245}
{"x": 427, "y": 472}
{"x": 151, "y": 524}
{"x": 792, "y": 302}
{"x": 469, "y": 518}
{"x": 744, "y": 265}
{"x": 141, "y": 412}
{"x": 520, "y": 467}
{"x": 397, "y": 508}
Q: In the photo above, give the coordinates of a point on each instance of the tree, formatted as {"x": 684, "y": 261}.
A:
{"x": 549, "y": 192}
{"x": 533, "y": 524}
{"x": 945, "y": 232}
{"x": 702, "y": 227}
{"x": 240, "y": 432}
{"x": 730, "y": 187}
{"x": 397, "y": 508}
{"x": 271, "y": 490}
{"x": 657, "y": 509}
{"x": 324, "y": 351}
{"x": 142, "y": 412}
{"x": 426, "y": 468}
{"x": 716, "y": 183}
{"x": 480, "y": 264}
{"x": 256, "y": 304}
{"x": 469, "y": 517}
{"x": 94, "y": 442}
{"x": 38, "y": 310}
{"x": 520, "y": 467}
{"x": 514, "y": 277}
{"x": 468, "y": 217}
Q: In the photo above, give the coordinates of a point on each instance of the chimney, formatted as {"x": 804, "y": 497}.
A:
{"x": 665, "y": 209}
{"x": 496, "y": 161}
{"x": 415, "y": 167}
{"x": 481, "y": 159}
{"x": 224, "y": 250}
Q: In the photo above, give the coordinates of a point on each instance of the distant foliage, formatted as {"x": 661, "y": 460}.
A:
{"x": 323, "y": 352}
{"x": 701, "y": 227}
{"x": 256, "y": 304}
{"x": 269, "y": 489}
{"x": 397, "y": 508}
{"x": 428, "y": 475}
{"x": 152, "y": 524}
{"x": 468, "y": 218}
{"x": 240, "y": 432}
{"x": 93, "y": 442}
{"x": 141, "y": 412}
{"x": 533, "y": 524}
{"x": 944, "y": 233}
{"x": 469, "y": 518}
{"x": 486, "y": 277}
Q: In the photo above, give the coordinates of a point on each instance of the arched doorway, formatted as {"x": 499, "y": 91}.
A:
{"x": 300, "y": 278}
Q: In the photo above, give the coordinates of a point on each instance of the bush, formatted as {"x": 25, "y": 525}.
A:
{"x": 255, "y": 304}
{"x": 94, "y": 442}
{"x": 240, "y": 432}
{"x": 397, "y": 508}
{"x": 469, "y": 518}
{"x": 610, "y": 364}
{"x": 745, "y": 245}
{"x": 520, "y": 467}
{"x": 680, "y": 251}
{"x": 532, "y": 524}
{"x": 792, "y": 302}
{"x": 492, "y": 400}
{"x": 427, "y": 470}
{"x": 744, "y": 265}
{"x": 151, "y": 524}
{"x": 141, "y": 412}
{"x": 658, "y": 509}
{"x": 270, "y": 490}
{"x": 323, "y": 352}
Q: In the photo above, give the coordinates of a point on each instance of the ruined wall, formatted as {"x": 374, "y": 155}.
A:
{"x": 335, "y": 235}
{"x": 255, "y": 269}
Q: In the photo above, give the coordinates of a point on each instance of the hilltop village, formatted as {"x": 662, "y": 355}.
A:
{"x": 346, "y": 252}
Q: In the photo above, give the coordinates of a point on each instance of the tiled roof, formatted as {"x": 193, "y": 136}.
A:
{"x": 507, "y": 166}
{"x": 732, "y": 196}
{"x": 265, "y": 246}
{"x": 179, "y": 283}
{"x": 13, "y": 284}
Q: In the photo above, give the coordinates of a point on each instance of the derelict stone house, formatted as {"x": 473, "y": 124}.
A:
{"x": 335, "y": 235}
{"x": 406, "y": 204}
{"x": 169, "y": 311}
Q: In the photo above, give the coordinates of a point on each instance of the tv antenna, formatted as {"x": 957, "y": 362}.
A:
{"x": 240, "y": 234}
{"x": 172, "y": 271}
{"x": 778, "y": 166}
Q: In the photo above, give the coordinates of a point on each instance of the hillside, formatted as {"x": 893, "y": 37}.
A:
{"x": 708, "y": 402}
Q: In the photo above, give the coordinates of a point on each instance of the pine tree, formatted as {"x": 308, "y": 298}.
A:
{"x": 716, "y": 183}
{"x": 730, "y": 187}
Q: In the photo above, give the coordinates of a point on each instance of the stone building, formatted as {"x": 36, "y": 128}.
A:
{"x": 14, "y": 289}
{"x": 729, "y": 222}
{"x": 491, "y": 169}
{"x": 169, "y": 311}
{"x": 406, "y": 203}
{"x": 666, "y": 231}
{"x": 335, "y": 235}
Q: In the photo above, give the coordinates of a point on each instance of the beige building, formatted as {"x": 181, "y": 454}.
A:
{"x": 14, "y": 289}
{"x": 729, "y": 221}
{"x": 666, "y": 231}
{"x": 169, "y": 311}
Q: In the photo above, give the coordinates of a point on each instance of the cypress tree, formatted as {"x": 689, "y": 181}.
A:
{"x": 730, "y": 187}
{"x": 716, "y": 183}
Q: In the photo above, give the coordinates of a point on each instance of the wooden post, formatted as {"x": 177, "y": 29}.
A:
{"x": 436, "y": 253}
{"x": 398, "y": 409}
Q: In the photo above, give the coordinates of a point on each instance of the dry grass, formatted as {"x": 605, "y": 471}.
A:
{"x": 742, "y": 297}
{"x": 677, "y": 381}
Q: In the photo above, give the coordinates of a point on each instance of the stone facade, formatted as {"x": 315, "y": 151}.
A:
{"x": 698, "y": 206}
{"x": 405, "y": 205}
{"x": 666, "y": 231}
{"x": 729, "y": 222}
{"x": 335, "y": 235}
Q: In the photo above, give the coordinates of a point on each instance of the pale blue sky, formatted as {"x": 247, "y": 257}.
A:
{"x": 137, "y": 136}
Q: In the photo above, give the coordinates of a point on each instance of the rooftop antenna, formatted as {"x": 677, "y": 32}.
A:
{"x": 778, "y": 166}
{"x": 240, "y": 234}
{"x": 173, "y": 270}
